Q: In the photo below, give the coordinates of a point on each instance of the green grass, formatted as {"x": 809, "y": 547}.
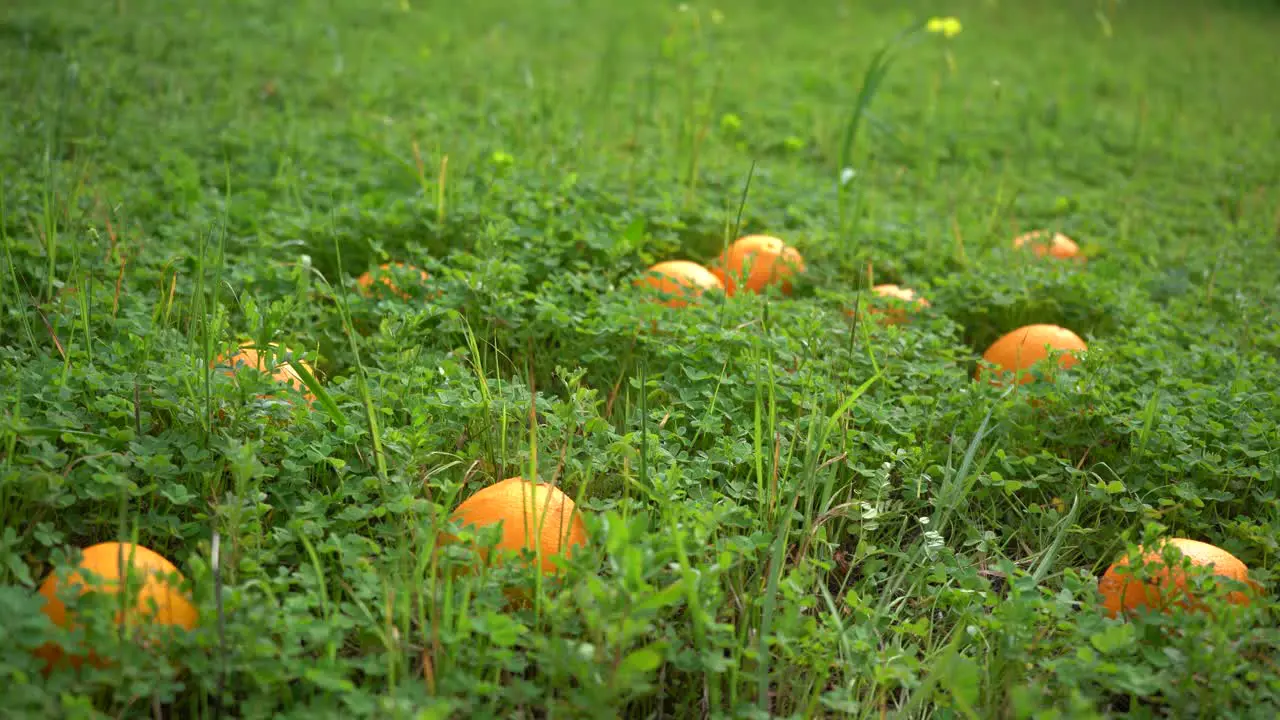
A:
{"x": 791, "y": 513}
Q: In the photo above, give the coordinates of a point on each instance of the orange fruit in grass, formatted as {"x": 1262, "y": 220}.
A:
{"x": 1165, "y": 586}
{"x": 893, "y": 313}
{"x": 683, "y": 280}
{"x": 770, "y": 262}
{"x": 532, "y": 515}
{"x": 1017, "y": 351}
{"x": 280, "y": 370}
{"x": 1056, "y": 245}
{"x": 152, "y": 600}
{"x": 384, "y": 275}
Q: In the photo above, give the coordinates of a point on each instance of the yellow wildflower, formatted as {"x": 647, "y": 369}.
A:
{"x": 946, "y": 26}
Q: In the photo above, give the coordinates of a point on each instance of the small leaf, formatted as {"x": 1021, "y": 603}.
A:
{"x": 501, "y": 629}
{"x": 19, "y": 569}
{"x": 669, "y": 595}
{"x": 960, "y": 678}
{"x": 328, "y": 680}
{"x": 646, "y": 659}
{"x": 1113, "y": 638}
{"x": 322, "y": 396}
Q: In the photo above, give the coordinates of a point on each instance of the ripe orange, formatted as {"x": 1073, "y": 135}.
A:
{"x": 685, "y": 281}
{"x": 365, "y": 281}
{"x": 892, "y": 311}
{"x": 771, "y": 262}
{"x": 140, "y": 565}
{"x": 1058, "y": 245}
{"x": 281, "y": 371}
{"x": 1124, "y": 591}
{"x": 529, "y": 513}
{"x": 1017, "y": 351}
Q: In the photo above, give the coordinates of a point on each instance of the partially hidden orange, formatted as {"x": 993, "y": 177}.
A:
{"x": 899, "y": 300}
{"x": 1017, "y": 351}
{"x": 682, "y": 281}
{"x": 765, "y": 260}
{"x": 281, "y": 371}
{"x": 532, "y": 515}
{"x": 384, "y": 275}
{"x": 1163, "y": 586}
{"x": 1056, "y": 245}
{"x": 152, "y": 600}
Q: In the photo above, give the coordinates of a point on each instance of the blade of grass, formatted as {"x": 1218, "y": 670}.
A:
{"x": 1064, "y": 526}
{"x": 362, "y": 382}
{"x": 317, "y": 388}
{"x": 872, "y": 78}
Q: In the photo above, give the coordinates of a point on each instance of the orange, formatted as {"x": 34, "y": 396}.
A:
{"x": 1166, "y": 585}
{"x": 771, "y": 261}
{"x": 282, "y": 371}
{"x": 682, "y": 279}
{"x": 529, "y": 513}
{"x": 365, "y": 281}
{"x": 1059, "y": 246}
{"x": 140, "y": 565}
{"x": 1017, "y": 351}
{"x": 893, "y": 313}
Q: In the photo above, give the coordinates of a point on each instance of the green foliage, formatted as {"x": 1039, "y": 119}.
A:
{"x": 793, "y": 509}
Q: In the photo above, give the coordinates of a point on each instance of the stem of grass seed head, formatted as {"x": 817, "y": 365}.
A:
{"x": 700, "y": 133}
{"x": 50, "y": 226}
{"x": 83, "y": 288}
{"x": 644, "y": 424}
{"x": 203, "y": 306}
{"x": 773, "y": 427}
{"x": 419, "y": 168}
{"x": 962, "y": 258}
{"x": 440, "y": 189}
{"x": 531, "y": 510}
{"x": 993, "y": 218}
{"x": 757, "y": 443}
{"x": 1140, "y": 127}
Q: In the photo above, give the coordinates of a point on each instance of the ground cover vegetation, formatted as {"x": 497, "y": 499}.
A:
{"x": 288, "y": 290}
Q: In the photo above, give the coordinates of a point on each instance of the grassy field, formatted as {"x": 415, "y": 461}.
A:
{"x": 792, "y": 511}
